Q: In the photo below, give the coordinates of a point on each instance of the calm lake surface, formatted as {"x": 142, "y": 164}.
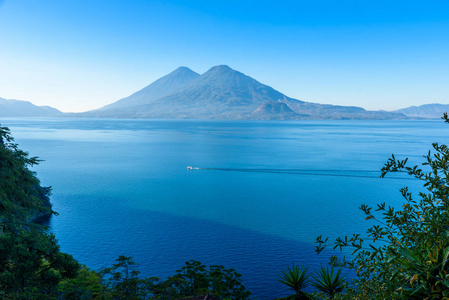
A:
{"x": 271, "y": 187}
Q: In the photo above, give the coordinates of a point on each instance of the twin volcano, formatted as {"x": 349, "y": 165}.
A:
{"x": 222, "y": 93}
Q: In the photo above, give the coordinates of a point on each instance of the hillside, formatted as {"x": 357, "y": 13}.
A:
{"x": 164, "y": 86}
{"x": 17, "y": 108}
{"x": 434, "y": 110}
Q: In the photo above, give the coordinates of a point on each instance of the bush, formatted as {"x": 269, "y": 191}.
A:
{"x": 407, "y": 256}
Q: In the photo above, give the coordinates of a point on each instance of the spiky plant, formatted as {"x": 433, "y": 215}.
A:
{"x": 296, "y": 278}
{"x": 328, "y": 282}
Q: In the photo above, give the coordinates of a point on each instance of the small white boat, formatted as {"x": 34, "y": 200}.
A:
{"x": 189, "y": 168}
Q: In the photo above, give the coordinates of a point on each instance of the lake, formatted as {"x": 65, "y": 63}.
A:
{"x": 264, "y": 191}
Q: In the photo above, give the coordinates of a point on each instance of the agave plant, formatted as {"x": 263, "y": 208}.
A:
{"x": 328, "y": 282}
{"x": 296, "y": 278}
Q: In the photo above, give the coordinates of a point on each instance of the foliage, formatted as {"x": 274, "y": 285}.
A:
{"x": 195, "y": 279}
{"x": 296, "y": 278}
{"x": 122, "y": 280}
{"x": 86, "y": 285}
{"x": 407, "y": 256}
{"x": 21, "y": 196}
{"x": 192, "y": 279}
{"x": 226, "y": 283}
{"x": 31, "y": 264}
{"x": 328, "y": 282}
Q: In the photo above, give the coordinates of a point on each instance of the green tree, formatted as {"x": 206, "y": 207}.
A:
{"x": 123, "y": 281}
{"x": 21, "y": 195}
{"x": 31, "y": 264}
{"x": 191, "y": 280}
{"x": 408, "y": 250}
{"x": 87, "y": 284}
{"x": 226, "y": 283}
{"x": 195, "y": 279}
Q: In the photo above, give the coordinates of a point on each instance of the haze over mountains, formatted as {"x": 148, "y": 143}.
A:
{"x": 18, "y": 108}
{"x": 162, "y": 87}
{"x": 223, "y": 93}
{"x": 219, "y": 93}
{"x": 434, "y": 110}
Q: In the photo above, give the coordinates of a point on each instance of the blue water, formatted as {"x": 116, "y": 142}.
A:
{"x": 122, "y": 187}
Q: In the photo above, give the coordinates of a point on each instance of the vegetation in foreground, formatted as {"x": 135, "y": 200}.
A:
{"x": 404, "y": 256}
{"x": 31, "y": 264}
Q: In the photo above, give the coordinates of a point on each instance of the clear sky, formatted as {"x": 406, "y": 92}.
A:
{"x": 77, "y": 55}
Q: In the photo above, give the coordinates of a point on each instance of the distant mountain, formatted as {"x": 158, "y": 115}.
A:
{"x": 434, "y": 110}
{"x": 17, "y": 108}
{"x": 219, "y": 93}
{"x": 164, "y": 86}
{"x": 223, "y": 93}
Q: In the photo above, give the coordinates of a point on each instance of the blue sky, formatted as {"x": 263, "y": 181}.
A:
{"x": 77, "y": 55}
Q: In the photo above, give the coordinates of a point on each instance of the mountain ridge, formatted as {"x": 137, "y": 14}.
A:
{"x": 432, "y": 110}
{"x": 20, "y": 108}
{"x": 219, "y": 93}
{"x": 223, "y": 93}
